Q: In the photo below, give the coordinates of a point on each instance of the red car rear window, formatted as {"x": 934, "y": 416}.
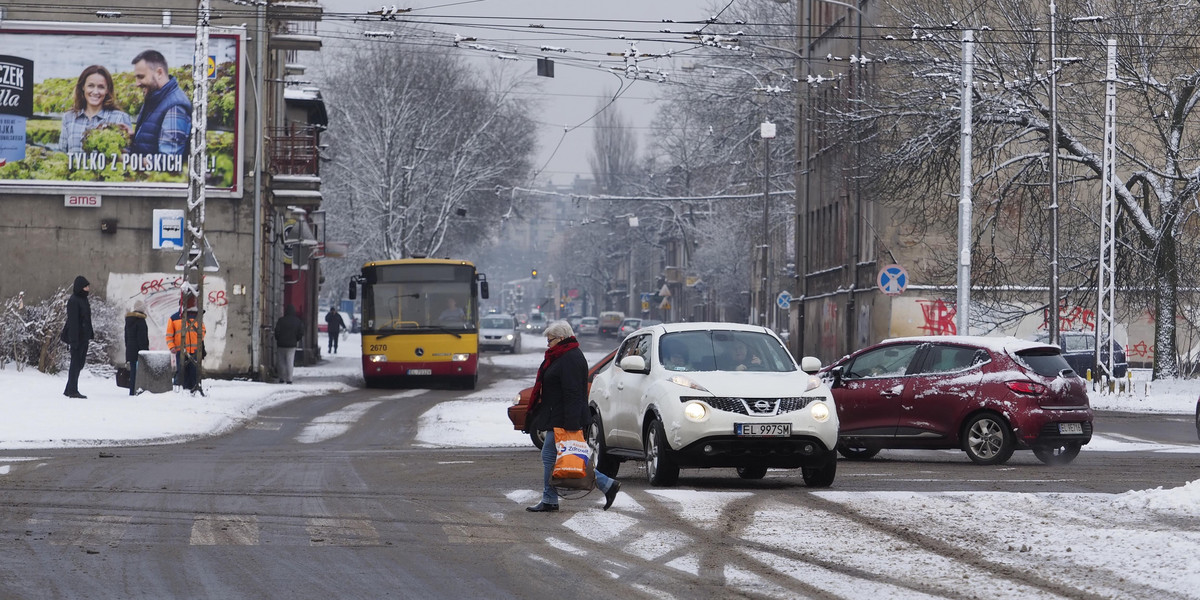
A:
{"x": 1047, "y": 362}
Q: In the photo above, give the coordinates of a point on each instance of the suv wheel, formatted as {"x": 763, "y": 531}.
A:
{"x": 1057, "y": 455}
{"x": 821, "y": 476}
{"x": 987, "y": 439}
{"x": 606, "y": 464}
{"x": 856, "y": 450}
{"x": 660, "y": 468}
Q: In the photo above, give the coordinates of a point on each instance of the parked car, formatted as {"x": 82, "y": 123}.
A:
{"x": 987, "y": 396}
{"x": 573, "y": 321}
{"x": 1079, "y": 348}
{"x": 520, "y": 405}
{"x": 629, "y": 326}
{"x": 610, "y": 322}
{"x": 499, "y": 331}
{"x": 674, "y": 398}
{"x": 588, "y": 326}
{"x": 536, "y": 323}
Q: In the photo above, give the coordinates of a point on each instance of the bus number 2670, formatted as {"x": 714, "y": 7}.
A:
{"x": 378, "y": 348}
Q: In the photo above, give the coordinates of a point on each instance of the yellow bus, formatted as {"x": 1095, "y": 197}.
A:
{"x": 420, "y": 321}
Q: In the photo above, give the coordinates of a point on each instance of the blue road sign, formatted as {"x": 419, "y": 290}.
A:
{"x": 784, "y": 300}
{"x": 892, "y": 280}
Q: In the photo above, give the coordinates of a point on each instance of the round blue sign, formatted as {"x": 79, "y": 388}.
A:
{"x": 892, "y": 280}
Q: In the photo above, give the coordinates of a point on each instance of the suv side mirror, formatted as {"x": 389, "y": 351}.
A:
{"x": 635, "y": 364}
{"x": 810, "y": 364}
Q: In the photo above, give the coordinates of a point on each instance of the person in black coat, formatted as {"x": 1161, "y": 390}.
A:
{"x": 78, "y": 333}
{"x": 289, "y": 330}
{"x": 137, "y": 338}
{"x": 559, "y": 399}
{"x": 333, "y": 320}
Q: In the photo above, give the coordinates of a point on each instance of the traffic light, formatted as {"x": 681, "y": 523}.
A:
{"x": 533, "y": 273}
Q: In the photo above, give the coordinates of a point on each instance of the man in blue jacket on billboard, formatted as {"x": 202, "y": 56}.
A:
{"x": 164, "y": 123}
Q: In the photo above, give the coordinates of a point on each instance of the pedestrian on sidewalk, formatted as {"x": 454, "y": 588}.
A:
{"x": 137, "y": 338}
{"x": 335, "y": 324}
{"x": 78, "y": 333}
{"x": 289, "y": 330}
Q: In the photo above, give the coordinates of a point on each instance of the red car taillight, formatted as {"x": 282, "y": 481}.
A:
{"x": 1026, "y": 387}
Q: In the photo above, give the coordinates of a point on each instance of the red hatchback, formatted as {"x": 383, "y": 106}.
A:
{"x": 987, "y": 396}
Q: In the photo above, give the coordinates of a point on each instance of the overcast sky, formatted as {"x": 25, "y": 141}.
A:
{"x": 570, "y": 98}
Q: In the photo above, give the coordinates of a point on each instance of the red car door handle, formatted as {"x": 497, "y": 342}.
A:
{"x": 889, "y": 393}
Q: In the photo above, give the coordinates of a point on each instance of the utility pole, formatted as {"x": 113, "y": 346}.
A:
{"x": 963, "y": 307}
{"x": 194, "y": 243}
{"x": 1052, "y": 326}
{"x": 767, "y": 132}
{"x": 1106, "y": 269}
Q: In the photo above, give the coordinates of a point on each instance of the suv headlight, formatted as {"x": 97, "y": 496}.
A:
{"x": 685, "y": 382}
{"x": 814, "y": 382}
{"x": 695, "y": 411}
{"x": 819, "y": 412}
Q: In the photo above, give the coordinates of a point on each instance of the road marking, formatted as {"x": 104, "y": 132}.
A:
{"x": 224, "y": 530}
{"x": 342, "y": 531}
{"x": 84, "y": 530}
{"x": 336, "y": 423}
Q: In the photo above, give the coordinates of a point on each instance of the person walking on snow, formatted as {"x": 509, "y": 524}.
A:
{"x": 335, "y": 324}
{"x": 289, "y": 330}
{"x": 137, "y": 338}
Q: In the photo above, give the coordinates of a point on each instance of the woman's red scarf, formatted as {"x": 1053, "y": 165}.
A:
{"x": 552, "y": 354}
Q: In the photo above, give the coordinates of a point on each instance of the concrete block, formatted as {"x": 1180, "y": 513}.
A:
{"x": 155, "y": 373}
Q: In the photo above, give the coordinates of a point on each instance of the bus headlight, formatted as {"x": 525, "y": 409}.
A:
{"x": 377, "y": 358}
{"x": 460, "y": 357}
{"x": 819, "y": 412}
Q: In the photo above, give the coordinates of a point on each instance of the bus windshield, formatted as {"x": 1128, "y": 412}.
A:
{"x": 418, "y": 305}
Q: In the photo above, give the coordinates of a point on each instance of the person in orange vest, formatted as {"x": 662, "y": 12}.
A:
{"x": 186, "y": 374}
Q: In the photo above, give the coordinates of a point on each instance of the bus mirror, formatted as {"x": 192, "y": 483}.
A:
{"x": 483, "y": 290}
{"x": 353, "y": 290}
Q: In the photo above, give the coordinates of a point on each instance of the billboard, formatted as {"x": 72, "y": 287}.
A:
{"x": 114, "y": 114}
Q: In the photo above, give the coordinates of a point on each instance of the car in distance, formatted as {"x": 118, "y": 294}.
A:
{"x": 984, "y": 395}
{"x": 629, "y": 326}
{"x": 536, "y": 323}
{"x": 498, "y": 331}
{"x": 675, "y": 397}
{"x": 588, "y": 326}
{"x": 520, "y": 406}
{"x": 610, "y": 322}
{"x": 1079, "y": 348}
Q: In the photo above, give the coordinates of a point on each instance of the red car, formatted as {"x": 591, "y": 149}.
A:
{"x": 520, "y": 406}
{"x": 1198, "y": 417}
{"x": 987, "y": 396}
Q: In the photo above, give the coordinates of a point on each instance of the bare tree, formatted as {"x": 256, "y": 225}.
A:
{"x": 912, "y": 119}
{"x": 421, "y": 144}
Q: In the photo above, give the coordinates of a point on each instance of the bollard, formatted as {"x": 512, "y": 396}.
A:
{"x": 155, "y": 373}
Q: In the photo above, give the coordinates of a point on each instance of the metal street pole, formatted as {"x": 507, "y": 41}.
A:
{"x": 963, "y": 306}
{"x": 1053, "y": 319}
{"x": 194, "y": 243}
{"x": 767, "y": 131}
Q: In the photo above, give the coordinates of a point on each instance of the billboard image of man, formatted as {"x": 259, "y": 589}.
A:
{"x": 165, "y": 121}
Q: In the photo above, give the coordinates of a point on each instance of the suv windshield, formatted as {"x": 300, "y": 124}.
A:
{"x": 724, "y": 351}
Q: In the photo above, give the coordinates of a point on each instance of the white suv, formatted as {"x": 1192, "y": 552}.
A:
{"x": 713, "y": 395}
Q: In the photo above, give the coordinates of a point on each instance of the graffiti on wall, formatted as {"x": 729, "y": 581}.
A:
{"x": 829, "y": 323}
{"x": 939, "y": 317}
{"x": 160, "y": 292}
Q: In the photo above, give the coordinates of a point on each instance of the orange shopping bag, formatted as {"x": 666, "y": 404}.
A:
{"x": 573, "y": 467}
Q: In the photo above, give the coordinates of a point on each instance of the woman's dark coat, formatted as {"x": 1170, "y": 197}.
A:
{"x": 79, "y": 314}
{"x": 564, "y": 394}
{"x": 137, "y": 335}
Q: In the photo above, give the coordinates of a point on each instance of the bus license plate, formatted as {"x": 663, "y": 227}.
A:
{"x": 1070, "y": 428}
{"x": 420, "y": 371}
{"x": 762, "y": 429}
